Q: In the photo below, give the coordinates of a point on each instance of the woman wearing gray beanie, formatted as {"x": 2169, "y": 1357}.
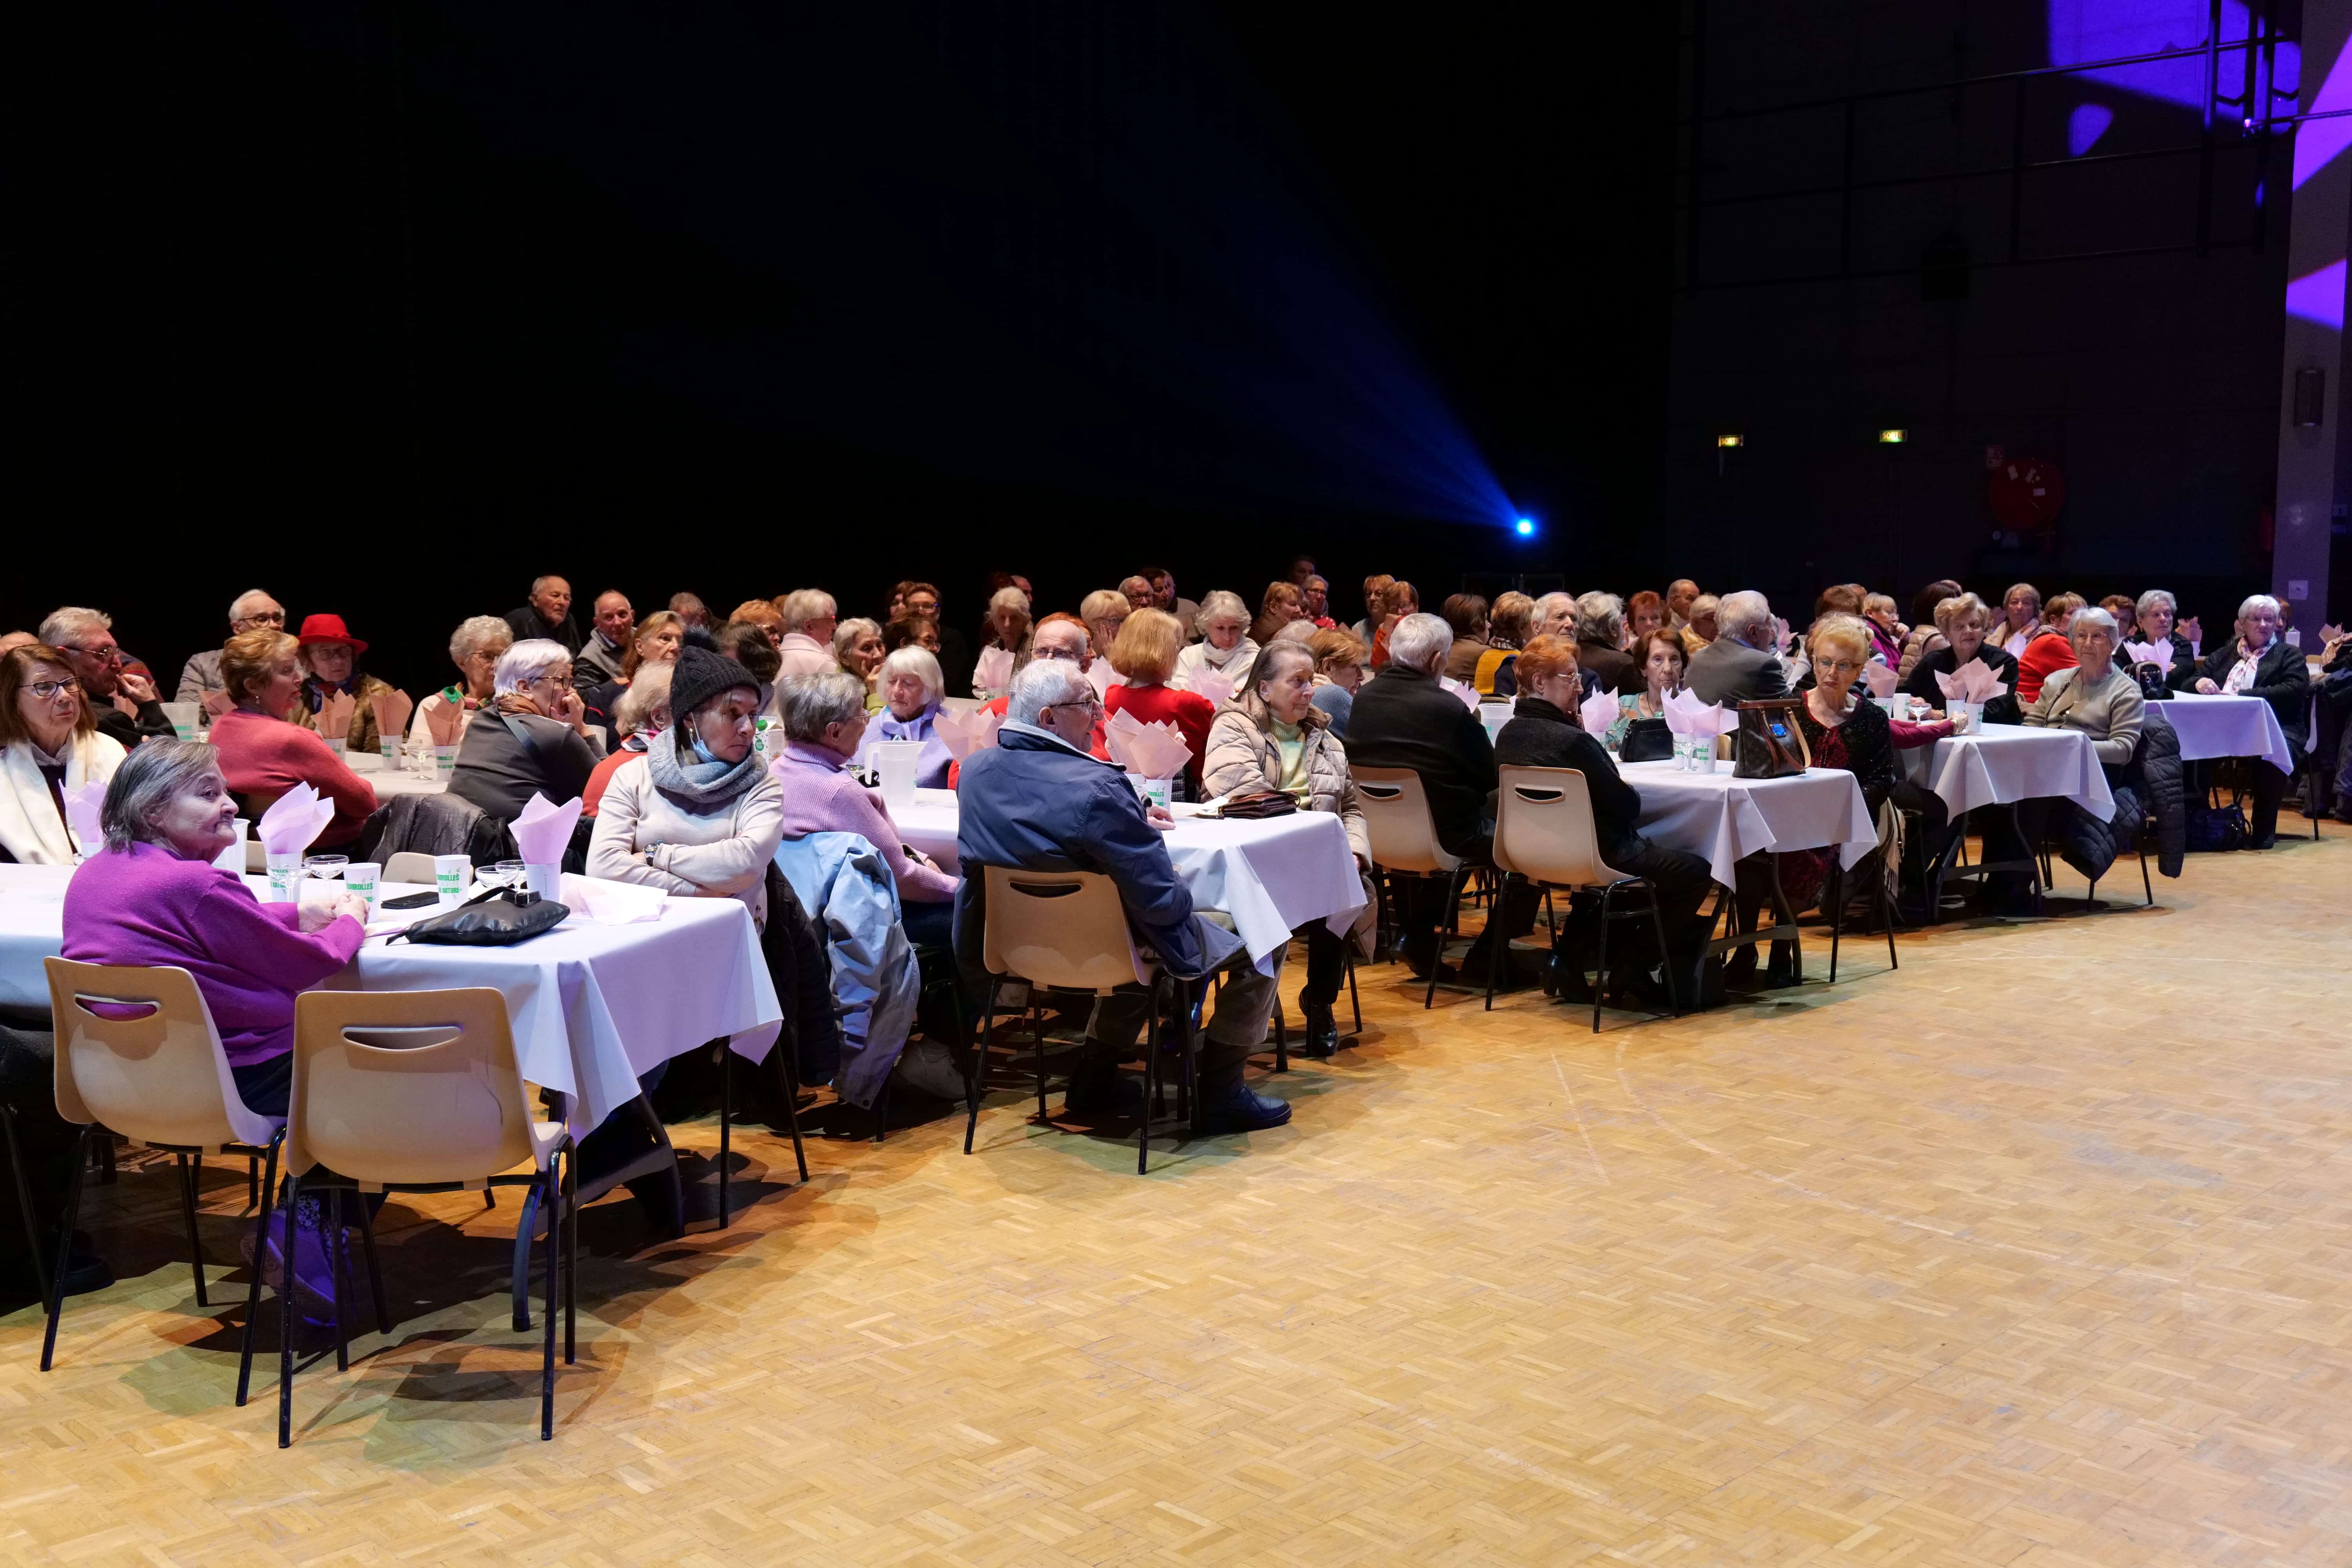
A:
{"x": 698, "y": 815}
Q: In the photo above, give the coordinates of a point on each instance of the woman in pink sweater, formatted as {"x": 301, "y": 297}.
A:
{"x": 261, "y": 754}
{"x": 825, "y": 716}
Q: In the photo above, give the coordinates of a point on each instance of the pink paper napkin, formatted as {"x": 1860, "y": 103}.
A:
{"x": 543, "y": 831}
{"x": 1216, "y": 687}
{"x": 392, "y": 711}
{"x": 1155, "y": 751}
{"x": 296, "y": 819}
{"x": 994, "y": 670}
{"x": 1597, "y": 712}
{"x": 1972, "y": 682}
{"x": 82, "y": 803}
{"x": 444, "y": 721}
{"x": 335, "y": 716}
{"x": 964, "y": 734}
{"x": 1883, "y": 681}
{"x": 2154, "y": 653}
{"x": 1686, "y": 714}
{"x": 1463, "y": 690}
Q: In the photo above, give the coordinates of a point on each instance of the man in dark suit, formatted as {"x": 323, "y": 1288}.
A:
{"x": 1037, "y": 801}
{"x": 1600, "y": 628}
{"x": 548, "y": 614}
{"x": 1740, "y": 664}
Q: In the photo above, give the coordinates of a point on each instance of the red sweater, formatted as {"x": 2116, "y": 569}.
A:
{"x": 262, "y": 758}
{"x": 1191, "y": 712}
{"x": 2044, "y": 657}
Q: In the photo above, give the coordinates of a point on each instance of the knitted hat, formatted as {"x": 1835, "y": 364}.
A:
{"x": 701, "y": 675}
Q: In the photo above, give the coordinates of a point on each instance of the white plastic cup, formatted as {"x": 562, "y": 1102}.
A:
{"x": 1151, "y": 792}
{"x": 232, "y": 859}
{"x": 285, "y": 873}
{"x": 335, "y": 743}
{"x": 547, "y": 881}
{"x": 444, "y": 762}
{"x": 897, "y": 761}
{"x": 388, "y": 747}
{"x": 450, "y": 875}
{"x": 1966, "y": 717}
{"x": 182, "y": 716}
{"x": 359, "y": 876}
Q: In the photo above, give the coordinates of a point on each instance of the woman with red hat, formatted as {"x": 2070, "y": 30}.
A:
{"x": 330, "y": 656}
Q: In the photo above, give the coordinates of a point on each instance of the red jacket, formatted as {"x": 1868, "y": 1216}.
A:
{"x": 2044, "y": 657}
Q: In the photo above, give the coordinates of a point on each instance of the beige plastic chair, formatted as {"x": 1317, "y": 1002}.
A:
{"x": 1404, "y": 838}
{"x": 1543, "y": 832}
{"x": 1067, "y": 931}
{"x": 409, "y": 866}
{"x": 419, "y": 1091}
{"x": 159, "y": 1077}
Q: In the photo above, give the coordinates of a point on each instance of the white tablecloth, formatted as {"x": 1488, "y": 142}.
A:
{"x": 2004, "y": 763}
{"x": 1723, "y": 819}
{"x": 593, "y": 1006}
{"x": 1272, "y": 877}
{"x": 2224, "y": 726}
{"x": 389, "y": 781}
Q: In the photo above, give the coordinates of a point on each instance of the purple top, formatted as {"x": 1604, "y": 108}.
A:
{"x": 821, "y": 797}
{"x": 146, "y": 906}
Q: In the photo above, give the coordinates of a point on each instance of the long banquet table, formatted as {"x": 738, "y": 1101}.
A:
{"x": 1273, "y": 877}
{"x": 594, "y": 1006}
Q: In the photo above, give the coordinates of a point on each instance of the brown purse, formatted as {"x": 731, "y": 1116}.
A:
{"x": 1771, "y": 741}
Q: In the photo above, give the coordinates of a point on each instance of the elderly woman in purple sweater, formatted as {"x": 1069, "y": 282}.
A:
{"x": 153, "y": 898}
{"x": 825, "y": 717}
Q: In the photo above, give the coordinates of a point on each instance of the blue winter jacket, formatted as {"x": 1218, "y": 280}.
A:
{"x": 1032, "y": 803}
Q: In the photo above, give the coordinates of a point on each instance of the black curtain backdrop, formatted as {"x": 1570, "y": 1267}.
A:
{"x": 388, "y": 309}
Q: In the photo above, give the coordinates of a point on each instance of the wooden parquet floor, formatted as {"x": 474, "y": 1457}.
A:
{"x": 2035, "y": 1252}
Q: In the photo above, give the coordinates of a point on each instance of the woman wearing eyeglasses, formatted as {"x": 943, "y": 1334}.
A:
{"x": 532, "y": 737}
{"x": 49, "y": 743}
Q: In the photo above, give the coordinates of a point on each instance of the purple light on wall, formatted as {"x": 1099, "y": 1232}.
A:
{"x": 2086, "y": 126}
{"x": 2320, "y": 139}
{"x": 2318, "y": 296}
{"x": 2107, "y": 29}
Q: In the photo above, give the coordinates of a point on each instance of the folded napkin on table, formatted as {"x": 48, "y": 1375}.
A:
{"x": 82, "y": 802}
{"x": 296, "y": 819}
{"x": 994, "y": 670}
{"x": 1882, "y": 680}
{"x": 1463, "y": 690}
{"x": 1597, "y": 712}
{"x": 2158, "y": 654}
{"x": 1688, "y": 714}
{"x": 543, "y": 831}
{"x": 392, "y": 711}
{"x": 1972, "y": 682}
{"x": 335, "y": 716}
{"x": 1155, "y": 751}
{"x": 964, "y": 734}
{"x": 443, "y": 721}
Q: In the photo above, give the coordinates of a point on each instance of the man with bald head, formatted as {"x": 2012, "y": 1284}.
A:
{"x": 200, "y": 677}
{"x": 615, "y": 621}
{"x": 548, "y": 614}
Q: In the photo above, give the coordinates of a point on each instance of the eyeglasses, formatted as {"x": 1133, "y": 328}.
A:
{"x": 563, "y": 680}
{"x": 1833, "y": 666}
{"x": 44, "y": 690}
{"x": 109, "y": 653}
{"x": 1088, "y": 700}
{"x": 263, "y": 618}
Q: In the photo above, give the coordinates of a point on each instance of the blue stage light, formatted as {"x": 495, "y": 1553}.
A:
{"x": 1527, "y": 527}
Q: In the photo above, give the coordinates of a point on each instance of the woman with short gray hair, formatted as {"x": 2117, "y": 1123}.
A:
{"x": 912, "y": 685}
{"x": 475, "y": 647}
{"x": 824, "y": 722}
{"x": 1225, "y": 647}
{"x": 2258, "y": 661}
{"x": 2095, "y": 699}
{"x": 531, "y": 738}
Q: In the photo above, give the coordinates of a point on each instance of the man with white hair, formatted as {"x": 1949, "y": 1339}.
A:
{"x": 1035, "y": 801}
{"x": 1600, "y": 644}
{"x": 1403, "y": 719}
{"x": 806, "y": 645}
{"x": 547, "y": 615}
{"x": 200, "y": 677}
{"x": 615, "y": 621}
{"x": 1554, "y": 616}
{"x": 1740, "y": 664}
{"x": 123, "y": 703}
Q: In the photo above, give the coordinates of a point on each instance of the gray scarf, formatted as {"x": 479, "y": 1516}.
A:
{"x": 707, "y": 786}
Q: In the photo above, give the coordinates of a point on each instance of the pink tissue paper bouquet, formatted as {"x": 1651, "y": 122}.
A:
{"x": 1881, "y": 679}
{"x": 293, "y": 821}
{"x": 1463, "y": 690}
{"x": 2158, "y": 654}
{"x": 82, "y": 803}
{"x": 1597, "y": 712}
{"x": 1154, "y": 751}
{"x": 994, "y": 671}
{"x": 1215, "y": 684}
{"x": 1972, "y": 682}
{"x": 964, "y": 734}
{"x": 1687, "y": 714}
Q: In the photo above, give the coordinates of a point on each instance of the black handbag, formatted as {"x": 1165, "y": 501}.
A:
{"x": 499, "y": 918}
{"x": 1645, "y": 741}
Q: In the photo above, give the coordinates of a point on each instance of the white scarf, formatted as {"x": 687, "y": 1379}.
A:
{"x": 29, "y": 824}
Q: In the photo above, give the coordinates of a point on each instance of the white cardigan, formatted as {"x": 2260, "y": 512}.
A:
{"x": 1200, "y": 656}
{"x": 29, "y": 825}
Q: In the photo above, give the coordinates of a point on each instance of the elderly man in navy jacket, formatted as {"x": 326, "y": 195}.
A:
{"x": 1038, "y": 801}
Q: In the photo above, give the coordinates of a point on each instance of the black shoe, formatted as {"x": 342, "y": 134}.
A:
{"x": 1238, "y": 1110}
{"x": 1097, "y": 1088}
{"x": 2268, "y": 841}
{"x": 1321, "y": 1031}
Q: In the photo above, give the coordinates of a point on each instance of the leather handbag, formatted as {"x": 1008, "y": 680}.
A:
{"x": 1772, "y": 742}
{"x": 1645, "y": 741}
{"x": 499, "y": 918}
{"x": 1259, "y": 802}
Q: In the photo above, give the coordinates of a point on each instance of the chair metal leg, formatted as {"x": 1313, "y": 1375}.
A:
{"x": 726, "y": 1125}
{"x": 1354, "y": 1002}
{"x": 252, "y": 1182}
{"x": 1151, "y": 1081}
{"x": 1037, "y": 1037}
{"x": 519, "y": 1281}
{"x": 972, "y": 1084}
{"x": 33, "y": 1249}
{"x": 1666, "y": 959}
{"x": 374, "y": 1267}
{"x": 253, "y": 1289}
{"x": 188, "y": 1209}
{"x": 1281, "y": 1036}
{"x": 1887, "y": 918}
{"x": 792, "y": 1109}
{"x": 1494, "y": 949}
{"x": 882, "y": 1109}
{"x": 1600, "y": 967}
{"x": 286, "y": 1322}
{"x": 554, "y": 1273}
{"x": 1837, "y": 913}
{"x": 64, "y": 1243}
{"x": 571, "y": 1252}
{"x": 334, "y": 1237}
